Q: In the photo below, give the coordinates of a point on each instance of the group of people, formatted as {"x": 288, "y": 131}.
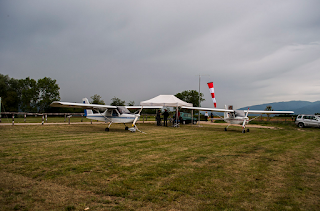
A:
{"x": 165, "y": 118}
{"x": 165, "y": 115}
{"x": 206, "y": 115}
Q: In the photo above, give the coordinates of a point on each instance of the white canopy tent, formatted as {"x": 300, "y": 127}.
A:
{"x": 166, "y": 101}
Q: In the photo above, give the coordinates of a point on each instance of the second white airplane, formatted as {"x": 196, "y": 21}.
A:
{"x": 234, "y": 116}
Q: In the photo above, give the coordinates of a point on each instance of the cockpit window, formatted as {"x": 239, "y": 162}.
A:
{"x": 239, "y": 113}
{"x": 123, "y": 110}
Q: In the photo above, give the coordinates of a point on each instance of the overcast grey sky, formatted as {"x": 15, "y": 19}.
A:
{"x": 254, "y": 51}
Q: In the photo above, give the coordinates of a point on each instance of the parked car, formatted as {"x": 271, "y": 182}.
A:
{"x": 186, "y": 118}
{"x": 304, "y": 120}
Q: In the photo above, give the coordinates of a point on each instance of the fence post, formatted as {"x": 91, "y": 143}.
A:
{"x": 42, "y": 119}
{"x": 65, "y": 117}
{"x": 12, "y": 119}
{"x": 25, "y": 118}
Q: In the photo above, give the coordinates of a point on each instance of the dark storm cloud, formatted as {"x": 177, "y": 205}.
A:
{"x": 254, "y": 51}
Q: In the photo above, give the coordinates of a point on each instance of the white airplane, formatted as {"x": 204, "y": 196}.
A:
{"x": 235, "y": 116}
{"x": 111, "y": 114}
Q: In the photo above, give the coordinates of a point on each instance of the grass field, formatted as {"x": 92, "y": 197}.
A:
{"x": 54, "y": 119}
{"x": 82, "y": 167}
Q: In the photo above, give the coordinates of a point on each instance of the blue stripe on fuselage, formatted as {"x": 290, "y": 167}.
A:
{"x": 110, "y": 117}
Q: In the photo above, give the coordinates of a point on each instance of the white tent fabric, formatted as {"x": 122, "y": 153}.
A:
{"x": 165, "y": 101}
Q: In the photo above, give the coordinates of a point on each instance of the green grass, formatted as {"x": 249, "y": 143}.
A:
{"x": 73, "y": 167}
{"x": 38, "y": 119}
{"x": 55, "y": 119}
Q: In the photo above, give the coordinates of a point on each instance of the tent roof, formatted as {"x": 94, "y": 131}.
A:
{"x": 166, "y": 101}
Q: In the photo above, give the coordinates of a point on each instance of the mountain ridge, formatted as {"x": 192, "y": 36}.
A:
{"x": 299, "y": 107}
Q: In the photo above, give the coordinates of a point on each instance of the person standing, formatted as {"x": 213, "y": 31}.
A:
{"x": 206, "y": 116}
{"x": 165, "y": 118}
{"x": 158, "y": 117}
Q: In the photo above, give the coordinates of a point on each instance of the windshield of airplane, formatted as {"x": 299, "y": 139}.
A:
{"x": 123, "y": 110}
{"x": 239, "y": 113}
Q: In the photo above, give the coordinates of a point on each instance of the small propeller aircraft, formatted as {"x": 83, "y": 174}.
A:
{"x": 234, "y": 116}
{"x": 111, "y": 114}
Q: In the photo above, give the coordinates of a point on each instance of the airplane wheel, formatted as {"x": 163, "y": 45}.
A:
{"x": 225, "y": 129}
{"x": 248, "y": 130}
{"x": 107, "y": 129}
{"x": 126, "y": 128}
{"x": 243, "y": 131}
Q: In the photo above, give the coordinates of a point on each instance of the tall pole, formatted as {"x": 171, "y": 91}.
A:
{"x": 200, "y": 97}
{"x": 199, "y": 100}
{"x": 0, "y": 109}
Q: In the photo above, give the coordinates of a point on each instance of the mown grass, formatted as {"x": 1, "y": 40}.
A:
{"x": 56, "y": 119}
{"x": 38, "y": 119}
{"x": 73, "y": 167}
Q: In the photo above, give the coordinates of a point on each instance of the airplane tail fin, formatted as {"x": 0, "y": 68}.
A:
{"x": 211, "y": 88}
{"x": 86, "y": 111}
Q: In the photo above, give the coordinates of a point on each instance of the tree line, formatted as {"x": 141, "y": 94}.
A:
{"x": 30, "y": 95}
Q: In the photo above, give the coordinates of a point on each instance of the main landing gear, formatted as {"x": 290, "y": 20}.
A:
{"x": 126, "y": 128}
{"x": 244, "y": 130}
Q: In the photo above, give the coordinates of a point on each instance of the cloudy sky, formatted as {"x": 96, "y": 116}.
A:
{"x": 255, "y": 51}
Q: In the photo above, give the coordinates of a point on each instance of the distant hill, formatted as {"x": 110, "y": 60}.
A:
{"x": 299, "y": 107}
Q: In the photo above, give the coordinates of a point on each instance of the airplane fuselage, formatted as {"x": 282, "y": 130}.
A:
{"x": 236, "y": 120}
{"x": 123, "y": 118}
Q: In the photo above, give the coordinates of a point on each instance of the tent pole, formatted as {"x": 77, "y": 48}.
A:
{"x": 177, "y": 116}
{"x": 191, "y": 117}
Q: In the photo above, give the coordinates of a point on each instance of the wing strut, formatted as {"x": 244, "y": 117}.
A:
{"x": 244, "y": 122}
{"x": 134, "y": 126}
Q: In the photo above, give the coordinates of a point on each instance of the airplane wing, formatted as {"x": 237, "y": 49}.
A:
{"x": 81, "y": 105}
{"x": 207, "y": 109}
{"x": 245, "y": 111}
{"x": 268, "y": 112}
{"x": 146, "y": 107}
